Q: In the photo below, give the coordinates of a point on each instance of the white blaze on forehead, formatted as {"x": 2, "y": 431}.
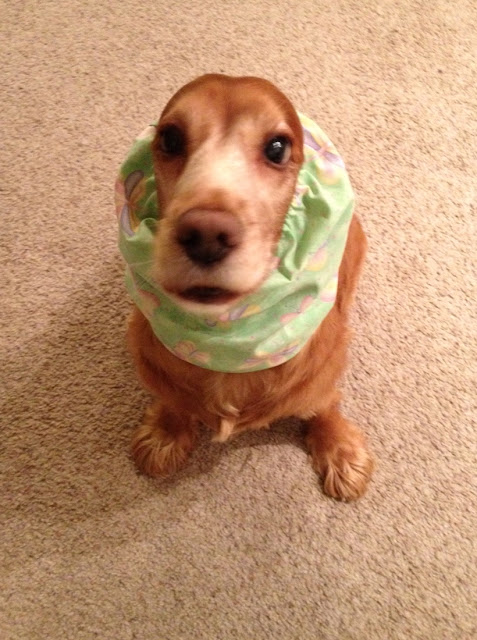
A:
{"x": 217, "y": 164}
{"x": 226, "y": 159}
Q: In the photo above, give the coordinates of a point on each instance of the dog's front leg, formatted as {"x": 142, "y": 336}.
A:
{"x": 339, "y": 454}
{"x": 162, "y": 444}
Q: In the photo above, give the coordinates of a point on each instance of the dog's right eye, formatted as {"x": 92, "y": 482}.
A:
{"x": 172, "y": 141}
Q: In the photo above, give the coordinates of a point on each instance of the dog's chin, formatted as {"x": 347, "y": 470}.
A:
{"x": 204, "y": 300}
{"x": 213, "y": 296}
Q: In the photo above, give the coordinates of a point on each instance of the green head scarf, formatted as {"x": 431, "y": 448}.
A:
{"x": 271, "y": 325}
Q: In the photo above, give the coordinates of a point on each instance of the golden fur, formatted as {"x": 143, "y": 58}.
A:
{"x": 305, "y": 386}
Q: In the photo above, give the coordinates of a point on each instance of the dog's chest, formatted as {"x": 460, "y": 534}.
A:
{"x": 254, "y": 401}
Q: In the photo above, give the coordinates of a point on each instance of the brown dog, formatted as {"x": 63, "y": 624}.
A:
{"x": 226, "y": 156}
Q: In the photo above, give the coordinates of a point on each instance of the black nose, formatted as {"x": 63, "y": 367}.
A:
{"x": 208, "y": 236}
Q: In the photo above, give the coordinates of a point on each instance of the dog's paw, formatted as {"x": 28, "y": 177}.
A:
{"x": 339, "y": 455}
{"x": 345, "y": 471}
{"x": 159, "y": 451}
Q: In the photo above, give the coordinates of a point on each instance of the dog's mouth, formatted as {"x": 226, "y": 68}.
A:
{"x": 208, "y": 295}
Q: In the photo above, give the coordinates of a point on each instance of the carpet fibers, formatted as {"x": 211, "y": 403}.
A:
{"x": 241, "y": 543}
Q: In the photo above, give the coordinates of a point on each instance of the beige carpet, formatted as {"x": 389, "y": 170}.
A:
{"x": 241, "y": 544}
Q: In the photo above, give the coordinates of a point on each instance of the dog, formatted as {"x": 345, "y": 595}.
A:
{"x": 244, "y": 253}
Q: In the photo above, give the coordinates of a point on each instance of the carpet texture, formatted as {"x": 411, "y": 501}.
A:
{"x": 242, "y": 543}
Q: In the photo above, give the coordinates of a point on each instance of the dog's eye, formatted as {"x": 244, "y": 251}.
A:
{"x": 278, "y": 150}
{"x": 172, "y": 141}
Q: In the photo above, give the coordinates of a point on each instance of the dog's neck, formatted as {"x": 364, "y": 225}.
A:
{"x": 271, "y": 325}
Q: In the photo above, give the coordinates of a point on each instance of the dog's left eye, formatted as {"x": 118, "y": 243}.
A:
{"x": 172, "y": 141}
{"x": 278, "y": 150}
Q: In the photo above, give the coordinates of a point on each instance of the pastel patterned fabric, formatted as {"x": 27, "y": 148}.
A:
{"x": 271, "y": 325}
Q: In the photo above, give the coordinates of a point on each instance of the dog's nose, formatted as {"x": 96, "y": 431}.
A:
{"x": 208, "y": 236}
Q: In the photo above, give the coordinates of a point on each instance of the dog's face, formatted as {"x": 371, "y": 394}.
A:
{"x": 226, "y": 158}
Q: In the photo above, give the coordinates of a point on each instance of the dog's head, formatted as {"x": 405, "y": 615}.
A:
{"x": 227, "y": 153}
